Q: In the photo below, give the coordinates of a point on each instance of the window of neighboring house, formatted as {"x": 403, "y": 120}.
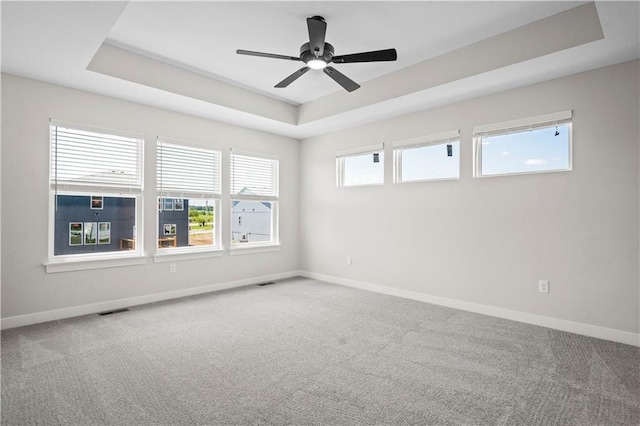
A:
{"x": 531, "y": 145}
{"x": 427, "y": 158}
{"x": 96, "y": 188}
{"x": 188, "y": 196}
{"x": 360, "y": 166}
{"x": 254, "y": 199}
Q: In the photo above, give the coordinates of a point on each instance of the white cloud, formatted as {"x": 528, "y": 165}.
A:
{"x": 485, "y": 143}
{"x": 505, "y": 152}
{"x": 535, "y": 162}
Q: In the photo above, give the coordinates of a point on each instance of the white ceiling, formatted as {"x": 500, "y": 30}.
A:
{"x": 56, "y": 42}
{"x": 205, "y": 36}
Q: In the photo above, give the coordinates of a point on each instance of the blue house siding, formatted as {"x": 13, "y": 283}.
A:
{"x": 120, "y": 212}
{"x": 180, "y": 218}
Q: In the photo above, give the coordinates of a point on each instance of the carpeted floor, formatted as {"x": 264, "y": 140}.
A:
{"x": 304, "y": 352}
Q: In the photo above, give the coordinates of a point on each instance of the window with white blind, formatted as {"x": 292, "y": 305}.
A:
{"x": 254, "y": 199}
{"x": 426, "y": 158}
{"x": 360, "y": 166}
{"x": 530, "y": 145}
{"x": 96, "y": 188}
{"x": 188, "y": 184}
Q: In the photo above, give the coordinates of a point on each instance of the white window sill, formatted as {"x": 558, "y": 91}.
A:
{"x": 532, "y": 172}
{"x": 248, "y": 248}
{"x": 171, "y": 255}
{"x": 97, "y": 262}
{"x": 361, "y": 185}
{"x": 444, "y": 179}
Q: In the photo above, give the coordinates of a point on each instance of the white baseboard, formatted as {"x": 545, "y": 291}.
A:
{"x": 38, "y": 317}
{"x": 549, "y": 322}
{"x": 555, "y": 323}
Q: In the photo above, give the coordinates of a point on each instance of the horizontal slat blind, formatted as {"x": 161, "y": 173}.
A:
{"x": 436, "y": 139}
{"x": 254, "y": 177}
{"x": 187, "y": 171}
{"x": 529, "y": 123}
{"x": 360, "y": 150}
{"x": 529, "y": 127}
{"x": 81, "y": 158}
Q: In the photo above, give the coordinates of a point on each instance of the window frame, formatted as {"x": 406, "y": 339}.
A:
{"x": 84, "y": 261}
{"x": 420, "y": 142}
{"x": 518, "y": 126}
{"x": 190, "y": 252}
{"x": 274, "y": 199}
{"x": 355, "y": 152}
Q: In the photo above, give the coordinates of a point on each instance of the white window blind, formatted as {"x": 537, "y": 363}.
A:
{"x": 436, "y": 139}
{"x": 254, "y": 176}
{"x": 360, "y": 150}
{"x": 529, "y": 123}
{"x": 83, "y": 159}
{"x": 187, "y": 171}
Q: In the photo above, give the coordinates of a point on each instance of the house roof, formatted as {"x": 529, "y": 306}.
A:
{"x": 181, "y": 55}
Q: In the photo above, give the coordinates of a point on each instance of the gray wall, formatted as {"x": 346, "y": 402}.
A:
{"x": 489, "y": 241}
{"x": 486, "y": 241}
{"x": 27, "y": 106}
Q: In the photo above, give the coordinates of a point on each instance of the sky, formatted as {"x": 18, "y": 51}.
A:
{"x": 528, "y": 151}
{"x": 431, "y": 162}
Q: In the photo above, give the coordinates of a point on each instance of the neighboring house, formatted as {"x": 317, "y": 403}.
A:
{"x": 173, "y": 222}
{"x": 86, "y": 224}
{"x": 250, "y": 221}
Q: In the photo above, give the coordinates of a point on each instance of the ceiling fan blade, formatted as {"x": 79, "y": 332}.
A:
{"x": 344, "y": 81}
{"x": 293, "y": 77}
{"x": 375, "y": 56}
{"x": 266, "y": 55}
{"x": 317, "y": 31}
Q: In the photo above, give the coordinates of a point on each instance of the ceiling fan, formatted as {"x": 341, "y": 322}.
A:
{"x": 317, "y": 55}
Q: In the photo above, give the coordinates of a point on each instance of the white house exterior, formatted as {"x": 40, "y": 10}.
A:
{"x": 251, "y": 221}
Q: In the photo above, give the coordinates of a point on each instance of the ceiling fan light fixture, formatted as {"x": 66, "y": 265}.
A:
{"x": 316, "y": 64}
{"x": 317, "y": 54}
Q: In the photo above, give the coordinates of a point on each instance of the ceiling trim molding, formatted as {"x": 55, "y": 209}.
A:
{"x": 120, "y": 63}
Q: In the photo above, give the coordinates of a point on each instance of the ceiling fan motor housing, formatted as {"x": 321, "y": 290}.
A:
{"x": 306, "y": 54}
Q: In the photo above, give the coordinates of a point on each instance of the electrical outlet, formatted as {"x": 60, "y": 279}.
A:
{"x": 543, "y": 286}
{"x": 349, "y": 260}
{"x": 172, "y": 268}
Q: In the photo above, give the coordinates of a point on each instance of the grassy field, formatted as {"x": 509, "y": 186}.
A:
{"x": 196, "y": 227}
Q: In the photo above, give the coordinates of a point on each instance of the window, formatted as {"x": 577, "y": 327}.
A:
{"x": 532, "y": 145}
{"x": 188, "y": 196}
{"x": 360, "y": 166}
{"x": 427, "y": 158}
{"x": 96, "y": 186}
{"x": 254, "y": 199}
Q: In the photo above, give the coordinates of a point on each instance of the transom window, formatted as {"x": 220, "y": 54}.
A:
{"x": 360, "y": 166}
{"x": 532, "y": 145}
{"x": 427, "y": 158}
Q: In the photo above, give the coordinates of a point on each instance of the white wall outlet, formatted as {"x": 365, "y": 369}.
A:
{"x": 172, "y": 268}
{"x": 543, "y": 286}
{"x": 349, "y": 260}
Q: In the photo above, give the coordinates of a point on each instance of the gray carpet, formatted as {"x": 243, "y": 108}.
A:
{"x": 305, "y": 352}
